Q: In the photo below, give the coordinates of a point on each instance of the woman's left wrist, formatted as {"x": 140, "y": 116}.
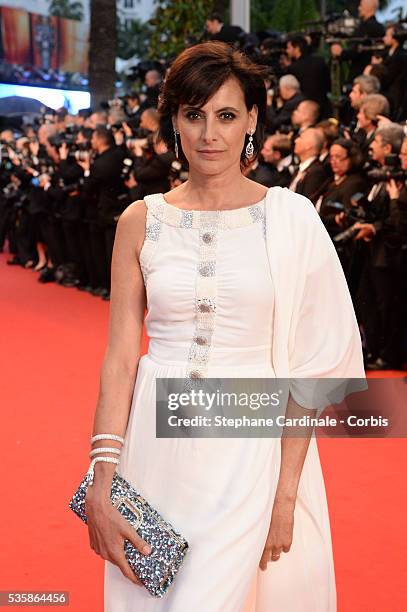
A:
{"x": 285, "y": 498}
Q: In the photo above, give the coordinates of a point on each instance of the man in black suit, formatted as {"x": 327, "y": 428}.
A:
{"x": 395, "y": 75}
{"x": 368, "y": 28}
{"x": 368, "y": 119}
{"x": 379, "y": 292}
{"x": 311, "y": 178}
{"x": 311, "y": 71}
{"x": 291, "y": 96}
{"x": 102, "y": 186}
{"x": 217, "y": 30}
{"x": 274, "y": 170}
{"x": 305, "y": 115}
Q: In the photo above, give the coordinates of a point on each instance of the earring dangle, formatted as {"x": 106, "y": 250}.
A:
{"x": 176, "y": 142}
{"x": 250, "y": 147}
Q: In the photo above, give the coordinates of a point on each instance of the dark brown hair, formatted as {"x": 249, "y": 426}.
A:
{"x": 195, "y": 76}
{"x": 353, "y": 152}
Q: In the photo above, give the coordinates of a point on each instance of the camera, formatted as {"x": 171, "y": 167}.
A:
{"x": 352, "y": 215}
{"x": 390, "y": 170}
{"x": 127, "y": 167}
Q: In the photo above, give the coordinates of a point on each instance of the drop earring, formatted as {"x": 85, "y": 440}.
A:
{"x": 250, "y": 147}
{"x": 176, "y": 142}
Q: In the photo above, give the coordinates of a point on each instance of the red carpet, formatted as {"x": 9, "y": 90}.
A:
{"x": 53, "y": 341}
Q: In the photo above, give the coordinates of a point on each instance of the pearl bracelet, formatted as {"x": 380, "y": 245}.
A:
{"x": 105, "y": 449}
{"x": 91, "y": 469}
{"x": 106, "y": 437}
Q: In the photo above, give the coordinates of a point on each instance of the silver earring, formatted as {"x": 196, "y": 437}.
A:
{"x": 176, "y": 142}
{"x": 250, "y": 147}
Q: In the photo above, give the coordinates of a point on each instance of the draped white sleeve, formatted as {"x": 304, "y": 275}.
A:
{"x": 315, "y": 334}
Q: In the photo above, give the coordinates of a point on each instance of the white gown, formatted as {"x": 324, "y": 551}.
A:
{"x": 207, "y": 276}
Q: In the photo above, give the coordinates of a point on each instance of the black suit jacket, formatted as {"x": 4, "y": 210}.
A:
{"x": 315, "y": 181}
{"x": 385, "y": 247}
{"x": 104, "y": 185}
{"x": 370, "y": 28}
{"x": 342, "y": 193}
{"x": 394, "y": 81}
{"x": 269, "y": 176}
{"x": 276, "y": 118}
{"x": 314, "y": 77}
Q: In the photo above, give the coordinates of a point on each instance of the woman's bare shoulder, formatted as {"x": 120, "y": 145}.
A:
{"x": 131, "y": 226}
{"x": 134, "y": 213}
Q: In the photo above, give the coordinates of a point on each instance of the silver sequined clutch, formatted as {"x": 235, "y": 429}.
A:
{"x": 158, "y": 569}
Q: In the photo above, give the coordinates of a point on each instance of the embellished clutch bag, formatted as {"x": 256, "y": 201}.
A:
{"x": 158, "y": 569}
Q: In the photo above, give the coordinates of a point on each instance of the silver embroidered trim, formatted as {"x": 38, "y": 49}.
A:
{"x": 152, "y": 236}
{"x": 207, "y": 268}
{"x": 205, "y": 302}
{"x": 197, "y": 219}
{"x": 186, "y": 218}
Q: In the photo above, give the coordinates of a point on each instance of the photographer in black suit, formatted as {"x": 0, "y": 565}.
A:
{"x": 379, "y": 292}
{"x": 368, "y": 28}
{"x": 217, "y": 30}
{"x": 276, "y": 154}
{"x": 395, "y": 74}
{"x": 311, "y": 71}
{"x": 397, "y": 191}
{"x": 311, "y": 177}
{"x": 290, "y": 95}
{"x": 102, "y": 186}
{"x": 372, "y": 108}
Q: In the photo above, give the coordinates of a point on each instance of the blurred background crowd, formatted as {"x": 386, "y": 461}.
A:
{"x": 336, "y": 133}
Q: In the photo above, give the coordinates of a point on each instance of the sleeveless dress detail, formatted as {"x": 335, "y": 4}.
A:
{"x": 210, "y": 299}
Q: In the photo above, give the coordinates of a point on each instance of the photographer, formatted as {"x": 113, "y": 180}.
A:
{"x": 279, "y": 117}
{"x": 151, "y": 175}
{"x": 395, "y": 74}
{"x": 346, "y": 161}
{"x": 71, "y": 179}
{"x": 305, "y": 115}
{"x": 371, "y": 110}
{"x": 276, "y": 153}
{"x": 368, "y": 28}
{"x": 379, "y": 293}
{"x": 133, "y": 109}
{"x": 397, "y": 191}
{"x": 311, "y": 176}
{"x": 101, "y": 189}
{"x": 363, "y": 86}
{"x": 311, "y": 71}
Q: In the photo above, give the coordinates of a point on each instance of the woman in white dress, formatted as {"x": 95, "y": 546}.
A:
{"x": 238, "y": 281}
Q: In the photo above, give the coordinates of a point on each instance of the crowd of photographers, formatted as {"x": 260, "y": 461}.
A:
{"x": 66, "y": 181}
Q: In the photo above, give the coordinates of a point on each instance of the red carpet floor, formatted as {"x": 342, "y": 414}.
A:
{"x": 52, "y": 345}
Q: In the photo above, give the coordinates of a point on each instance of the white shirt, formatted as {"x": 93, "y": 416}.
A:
{"x": 284, "y": 163}
{"x": 300, "y": 174}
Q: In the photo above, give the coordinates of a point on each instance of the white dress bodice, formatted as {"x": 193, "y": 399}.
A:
{"x": 209, "y": 287}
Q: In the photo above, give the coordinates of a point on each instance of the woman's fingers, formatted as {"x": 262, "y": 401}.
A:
{"x": 119, "y": 559}
{"x": 129, "y": 533}
{"x": 270, "y": 553}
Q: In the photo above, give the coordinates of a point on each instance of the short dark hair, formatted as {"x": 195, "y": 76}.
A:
{"x": 105, "y": 135}
{"x": 215, "y": 17}
{"x": 299, "y": 41}
{"x": 194, "y": 77}
{"x": 355, "y": 155}
{"x": 86, "y": 132}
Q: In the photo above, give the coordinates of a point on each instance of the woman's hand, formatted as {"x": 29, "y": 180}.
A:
{"x": 280, "y": 533}
{"x": 107, "y": 531}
